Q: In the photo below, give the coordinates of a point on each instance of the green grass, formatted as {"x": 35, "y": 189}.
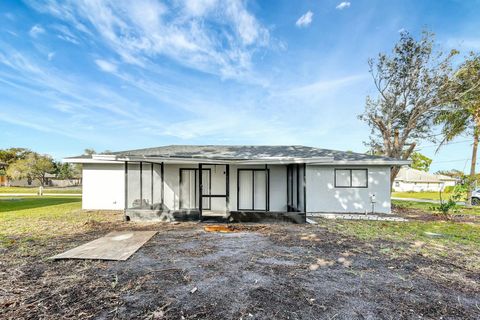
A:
{"x": 438, "y": 240}
{"x": 423, "y": 195}
{"x": 428, "y": 207}
{"x": 34, "y": 190}
{"x": 25, "y": 219}
{"x": 20, "y": 205}
{"x": 450, "y": 232}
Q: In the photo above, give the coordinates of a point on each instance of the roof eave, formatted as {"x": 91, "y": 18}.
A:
{"x": 369, "y": 162}
{"x": 272, "y": 160}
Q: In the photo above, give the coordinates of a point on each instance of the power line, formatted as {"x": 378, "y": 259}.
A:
{"x": 445, "y": 144}
{"x": 457, "y": 160}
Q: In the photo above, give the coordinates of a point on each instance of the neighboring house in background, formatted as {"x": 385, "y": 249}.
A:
{"x": 3, "y": 177}
{"x": 227, "y": 181}
{"x": 409, "y": 179}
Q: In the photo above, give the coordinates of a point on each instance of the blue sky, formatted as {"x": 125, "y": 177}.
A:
{"x": 129, "y": 74}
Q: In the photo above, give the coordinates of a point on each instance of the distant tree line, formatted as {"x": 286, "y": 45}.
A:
{"x": 22, "y": 163}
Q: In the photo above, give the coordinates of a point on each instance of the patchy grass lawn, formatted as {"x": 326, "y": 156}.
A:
{"x": 422, "y": 195}
{"x": 335, "y": 269}
{"x": 426, "y": 195}
{"x": 430, "y": 207}
{"x": 26, "y": 219}
{"x": 34, "y": 190}
{"x": 446, "y": 233}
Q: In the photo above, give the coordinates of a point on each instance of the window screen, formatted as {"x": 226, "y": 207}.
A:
{"x": 260, "y": 190}
{"x": 189, "y": 193}
{"x": 359, "y": 178}
{"x": 252, "y": 189}
{"x": 188, "y": 189}
{"x": 351, "y": 178}
{"x": 245, "y": 191}
{"x": 134, "y": 196}
{"x": 342, "y": 178}
{"x": 146, "y": 185}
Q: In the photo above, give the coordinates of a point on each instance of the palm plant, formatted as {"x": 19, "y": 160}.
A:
{"x": 462, "y": 115}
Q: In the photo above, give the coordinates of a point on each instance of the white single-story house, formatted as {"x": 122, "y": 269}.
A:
{"x": 225, "y": 181}
{"x": 413, "y": 180}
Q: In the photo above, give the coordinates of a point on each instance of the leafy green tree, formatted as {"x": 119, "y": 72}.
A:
{"x": 420, "y": 161}
{"x": 409, "y": 82}
{"x": 67, "y": 170}
{"x": 89, "y": 151}
{"x": 461, "y": 115}
{"x": 34, "y": 166}
{"x": 12, "y": 154}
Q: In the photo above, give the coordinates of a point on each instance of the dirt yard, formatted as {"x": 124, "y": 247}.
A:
{"x": 258, "y": 272}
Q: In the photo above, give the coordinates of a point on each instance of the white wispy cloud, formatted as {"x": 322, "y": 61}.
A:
{"x": 305, "y": 20}
{"x": 322, "y": 86}
{"x": 24, "y": 73}
{"x": 343, "y": 5}
{"x": 139, "y": 31}
{"x": 36, "y": 30}
{"x": 106, "y": 66}
{"x": 12, "y": 33}
{"x": 146, "y": 49}
{"x": 83, "y": 107}
{"x": 199, "y": 7}
{"x": 50, "y": 56}
{"x": 65, "y": 34}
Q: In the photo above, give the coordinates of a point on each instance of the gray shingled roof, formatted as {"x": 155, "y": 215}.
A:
{"x": 225, "y": 152}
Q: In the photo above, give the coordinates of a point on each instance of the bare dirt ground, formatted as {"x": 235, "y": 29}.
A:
{"x": 258, "y": 272}
{"x": 422, "y": 215}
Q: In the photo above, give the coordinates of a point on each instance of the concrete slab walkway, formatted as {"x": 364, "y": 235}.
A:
{"x": 346, "y": 216}
{"x": 114, "y": 246}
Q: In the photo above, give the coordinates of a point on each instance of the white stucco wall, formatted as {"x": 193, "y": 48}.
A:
{"x": 103, "y": 186}
{"x": 322, "y": 196}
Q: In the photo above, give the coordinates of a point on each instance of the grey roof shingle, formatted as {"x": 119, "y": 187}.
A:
{"x": 253, "y": 152}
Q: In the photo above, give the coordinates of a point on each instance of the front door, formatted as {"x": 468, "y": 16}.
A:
{"x": 190, "y": 190}
{"x": 215, "y": 190}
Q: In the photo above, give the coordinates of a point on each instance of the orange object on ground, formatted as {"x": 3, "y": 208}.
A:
{"x": 219, "y": 228}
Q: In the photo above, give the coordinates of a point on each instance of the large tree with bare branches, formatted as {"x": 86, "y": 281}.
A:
{"x": 410, "y": 83}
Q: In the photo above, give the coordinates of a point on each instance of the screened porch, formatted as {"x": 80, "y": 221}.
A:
{"x": 201, "y": 190}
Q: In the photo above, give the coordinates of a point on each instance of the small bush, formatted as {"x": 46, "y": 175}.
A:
{"x": 444, "y": 208}
{"x": 449, "y": 189}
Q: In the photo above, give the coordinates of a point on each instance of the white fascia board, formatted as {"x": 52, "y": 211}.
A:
{"x": 366, "y": 163}
{"x": 238, "y": 162}
{"x": 104, "y": 157}
{"x": 320, "y": 161}
{"x": 82, "y": 160}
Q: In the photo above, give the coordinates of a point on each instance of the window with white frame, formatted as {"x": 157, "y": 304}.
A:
{"x": 351, "y": 178}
